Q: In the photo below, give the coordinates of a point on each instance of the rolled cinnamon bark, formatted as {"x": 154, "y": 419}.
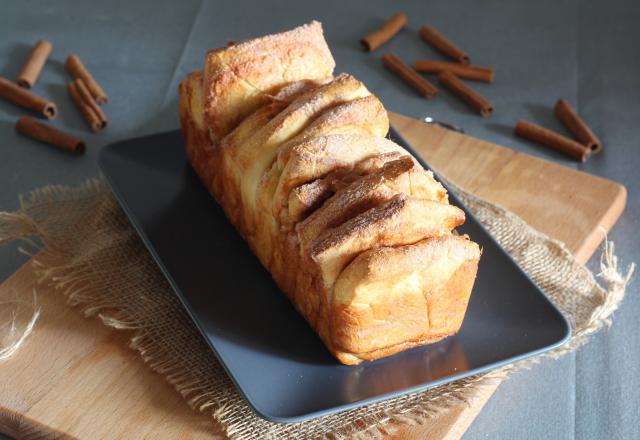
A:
{"x": 24, "y": 98}
{"x": 552, "y": 140}
{"x": 88, "y": 98}
{"x": 440, "y": 42}
{"x": 49, "y": 135}
{"x": 473, "y": 98}
{"x": 77, "y": 69}
{"x": 90, "y": 115}
{"x": 475, "y": 73}
{"x": 34, "y": 64}
{"x": 376, "y": 39}
{"x": 577, "y": 126}
{"x": 410, "y": 76}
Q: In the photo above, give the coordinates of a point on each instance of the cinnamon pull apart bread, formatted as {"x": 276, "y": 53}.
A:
{"x": 357, "y": 234}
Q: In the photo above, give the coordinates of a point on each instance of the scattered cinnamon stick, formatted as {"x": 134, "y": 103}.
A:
{"x": 475, "y": 73}
{"x": 49, "y": 135}
{"x": 388, "y": 30}
{"x": 78, "y": 70}
{"x": 24, "y": 98}
{"x": 577, "y": 126}
{"x": 88, "y": 98}
{"x": 82, "y": 98}
{"x": 34, "y": 64}
{"x": 552, "y": 140}
{"x": 473, "y": 98}
{"x": 440, "y": 42}
{"x": 410, "y": 76}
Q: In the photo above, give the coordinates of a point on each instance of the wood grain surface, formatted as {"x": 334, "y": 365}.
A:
{"x": 75, "y": 378}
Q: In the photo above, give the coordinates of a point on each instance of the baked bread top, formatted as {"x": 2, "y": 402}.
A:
{"x": 241, "y": 77}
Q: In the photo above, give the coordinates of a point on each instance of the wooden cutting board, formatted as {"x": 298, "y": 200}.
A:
{"x": 74, "y": 377}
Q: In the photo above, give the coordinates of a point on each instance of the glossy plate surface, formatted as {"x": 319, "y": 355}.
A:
{"x": 275, "y": 359}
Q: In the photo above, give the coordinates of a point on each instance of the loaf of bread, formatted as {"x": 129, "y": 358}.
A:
{"x": 357, "y": 234}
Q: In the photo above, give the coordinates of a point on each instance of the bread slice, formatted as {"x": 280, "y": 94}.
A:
{"x": 400, "y": 220}
{"x": 368, "y": 192}
{"x": 392, "y": 298}
{"x": 240, "y": 78}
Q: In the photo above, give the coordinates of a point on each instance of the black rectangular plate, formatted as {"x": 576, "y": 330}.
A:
{"x": 275, "y": 359}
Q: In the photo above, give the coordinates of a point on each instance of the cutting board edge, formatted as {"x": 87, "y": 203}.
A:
{"x": 607, "y": 221}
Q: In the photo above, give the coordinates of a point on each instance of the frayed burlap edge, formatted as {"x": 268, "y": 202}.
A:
{"x": 90, "y": 210}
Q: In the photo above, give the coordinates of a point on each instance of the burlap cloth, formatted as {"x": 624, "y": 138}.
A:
{"x": 103, "y": 267}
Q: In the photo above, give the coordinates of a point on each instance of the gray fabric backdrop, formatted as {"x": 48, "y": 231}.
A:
{"x": 585, "y": 51}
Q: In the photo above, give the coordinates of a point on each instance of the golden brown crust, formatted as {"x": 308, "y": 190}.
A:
{"x": 400, "y": 220}
{"x": 355, "y": 232}
{"x": 366, "y": 193}
{"x": 304, "y": 162}
{"x": 403, "y": 294}
{"x": 240, "y": 78}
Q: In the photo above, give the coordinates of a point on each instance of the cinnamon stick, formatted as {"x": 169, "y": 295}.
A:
{"x": 410, "y": 76}
{"x": 88, "y": 98}
{"x": 78, "y": 70}
{"x": 473, "y": 98}
{"x": 552, "y": 140}
{"x": 24, "y": 98}
{"x": 85, "y": 106}
{"x": 577, "y": 126}
{"x": 475, "y": 73}
{"x": 34, "y": 64}
{"x": 49, "y": 135}
{"x": 388, "y": 30}
{"x": 440, "y": 42}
